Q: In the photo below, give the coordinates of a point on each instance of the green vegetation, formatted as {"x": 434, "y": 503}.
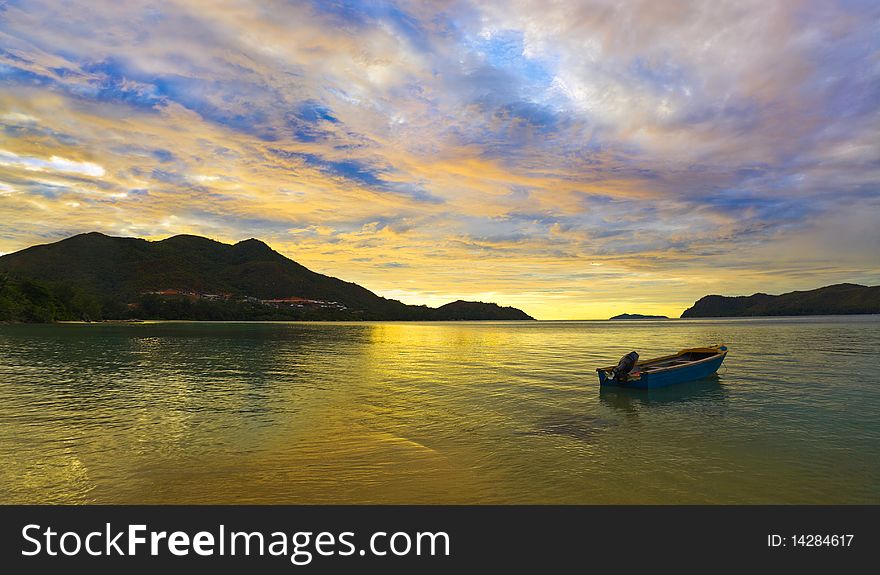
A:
{"x": 828, "y": 300}
{"x": 27, "y": 300}
{"x": 93, "y": 276}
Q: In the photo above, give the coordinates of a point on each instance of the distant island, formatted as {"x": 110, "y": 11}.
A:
{"x": 98, "y": 277}
{"x": 838, "y": 299}
{"x": 637, "y": 316}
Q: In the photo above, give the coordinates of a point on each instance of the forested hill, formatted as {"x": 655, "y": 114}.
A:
{"x": 829, "y": 300}
{"x": 95, "y": 276}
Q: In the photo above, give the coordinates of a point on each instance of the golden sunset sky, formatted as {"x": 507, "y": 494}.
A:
{"x": 573, "y": 159}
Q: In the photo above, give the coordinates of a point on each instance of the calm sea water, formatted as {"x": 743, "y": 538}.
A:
{"x": 436, "y": 413}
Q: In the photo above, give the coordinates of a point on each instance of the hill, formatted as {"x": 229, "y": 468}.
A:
{"x": 638, "y": 316}
{"x": 191, "y": 277}
{"x": 828, "y": 300}
{"x": 469, "y": 310}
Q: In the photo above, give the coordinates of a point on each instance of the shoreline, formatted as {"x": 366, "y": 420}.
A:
{"x": 424, "y": 321}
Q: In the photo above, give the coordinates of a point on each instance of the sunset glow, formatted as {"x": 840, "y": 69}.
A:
{"x": 573, "y": 159}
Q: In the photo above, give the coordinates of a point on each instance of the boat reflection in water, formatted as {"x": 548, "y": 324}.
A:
{"x": 702, "y": 392}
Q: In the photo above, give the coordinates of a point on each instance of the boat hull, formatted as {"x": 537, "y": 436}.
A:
{"x": 664, "y": 378}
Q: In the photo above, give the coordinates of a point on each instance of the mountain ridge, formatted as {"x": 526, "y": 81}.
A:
{"x": 192, "y": 277}
{"x": 835, "y": 299}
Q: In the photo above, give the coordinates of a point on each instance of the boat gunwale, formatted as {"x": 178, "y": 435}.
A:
{"x": 716, "y": 352}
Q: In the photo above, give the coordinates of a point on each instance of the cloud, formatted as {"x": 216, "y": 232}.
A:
{"x": 53, "y": 164}
{"x": 683, "y": 146}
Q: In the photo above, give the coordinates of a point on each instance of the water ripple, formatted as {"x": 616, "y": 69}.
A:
{"x": 491, "y": 412}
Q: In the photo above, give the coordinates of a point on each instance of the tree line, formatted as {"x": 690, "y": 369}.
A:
{"x": 26, "y": 300}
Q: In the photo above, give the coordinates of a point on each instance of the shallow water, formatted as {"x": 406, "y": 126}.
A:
{"x": 488, "y": 412}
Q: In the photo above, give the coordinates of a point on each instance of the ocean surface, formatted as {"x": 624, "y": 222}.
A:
{"x": 483, "y": 412}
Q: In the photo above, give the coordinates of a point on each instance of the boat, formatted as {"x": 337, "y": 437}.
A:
{"x": 686, "y": 365}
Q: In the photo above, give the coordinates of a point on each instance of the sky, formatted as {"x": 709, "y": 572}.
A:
{"x": 573, "y": 159}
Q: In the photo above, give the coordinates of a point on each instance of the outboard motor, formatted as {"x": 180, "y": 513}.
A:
{"x": 624, "y": 366}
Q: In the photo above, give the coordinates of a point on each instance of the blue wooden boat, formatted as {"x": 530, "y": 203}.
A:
{"x": 686, "y": 365}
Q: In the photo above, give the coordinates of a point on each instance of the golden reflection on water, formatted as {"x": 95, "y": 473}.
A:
{"x": 433, "y": 413}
